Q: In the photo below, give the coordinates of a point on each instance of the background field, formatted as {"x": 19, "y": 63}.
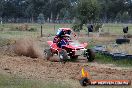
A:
{"x": 7, "y": 29}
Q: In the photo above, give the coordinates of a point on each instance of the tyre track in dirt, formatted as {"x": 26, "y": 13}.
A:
{"x": 108, "y": 71}
{"x": 70, "y": 72}
{"x": 46, "y": 70}
{"x": 38, "y": 68}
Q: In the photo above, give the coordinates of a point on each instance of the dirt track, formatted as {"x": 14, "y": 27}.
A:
{"x": 69, "y": 72}
{"x": 46, "y": 70}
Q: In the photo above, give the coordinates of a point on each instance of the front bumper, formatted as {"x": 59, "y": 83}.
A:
{"x": 80, "y": 52}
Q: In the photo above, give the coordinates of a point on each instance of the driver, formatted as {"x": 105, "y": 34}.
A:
{"x": 58, "y": 36}
{"x": 64, "y": 41}
{"x": 62, "y": 37}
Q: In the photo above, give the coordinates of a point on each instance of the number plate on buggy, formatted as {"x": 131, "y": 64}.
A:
{"x": 79, "y": 52}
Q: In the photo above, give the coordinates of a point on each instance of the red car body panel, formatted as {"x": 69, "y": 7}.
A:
{"x": 55, "y": 47}
{"x": 65, "y": 28}
{"x": 84, "y": 45}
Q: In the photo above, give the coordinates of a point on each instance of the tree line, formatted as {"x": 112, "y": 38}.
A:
{"x": 92, "y": 10}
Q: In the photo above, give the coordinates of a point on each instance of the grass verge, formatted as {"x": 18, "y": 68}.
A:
{"x": 109, "y": 60}
{"x": 11, "y": 82}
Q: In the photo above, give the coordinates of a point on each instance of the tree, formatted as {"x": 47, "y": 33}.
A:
{"x": 125, "y": 17}
{"x": 41, "y": 18}
{"x": 129, "y": 7}
{"x": 1, "y": 7}
{"x": 35, "y": 7}
{"x": 87, "y": 11}
{"x": 84, "y": 10}
{"x": 119, "y": 17}
{"x": 57, "y": 6}
{"x": 1, "y": 10}
{"x": 111, "y": 9}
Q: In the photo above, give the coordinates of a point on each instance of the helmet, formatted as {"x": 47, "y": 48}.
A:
{"x": 63, "y": 31}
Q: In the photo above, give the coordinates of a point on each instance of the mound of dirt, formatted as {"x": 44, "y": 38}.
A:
{"x": 28, "y": 47}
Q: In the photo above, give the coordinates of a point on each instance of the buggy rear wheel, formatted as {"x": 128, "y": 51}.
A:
{"x": 90, "y": 55}
{"x": 48, "y": 53}
{"x": 63, "y": 55}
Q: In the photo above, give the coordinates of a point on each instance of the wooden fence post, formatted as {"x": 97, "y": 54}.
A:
{"x": 41, "y": 31}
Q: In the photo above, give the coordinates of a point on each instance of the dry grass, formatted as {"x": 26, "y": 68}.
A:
{"x": 126, "y": 48}
{"x": 103, "y": 39}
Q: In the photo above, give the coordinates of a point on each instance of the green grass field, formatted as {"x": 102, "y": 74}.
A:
{"x": 48, "y": 29}
{"x": 117, "y": 28}
{"x": 17, "y": 82}
{"x": 108, "y": 60}
{"x": 7, "y": 29}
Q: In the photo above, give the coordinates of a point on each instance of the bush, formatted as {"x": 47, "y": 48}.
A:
{"x": 76, "y": 27}
{"x": 32, "y": 29}
{"x": 97, "y": 26}
{"x": 19, "y": 28}
{"x": 1, "y": 29}
{"x": 13, "y": 28}
{"x": 23, "y": 27}
{"x": 129, "y": 35}
{"x": 4, "y": 42}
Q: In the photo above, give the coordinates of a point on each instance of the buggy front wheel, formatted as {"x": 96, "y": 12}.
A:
{"x": 90, "y": 55}
{"x": 63, "y": 55}
{"x": 48, "y": 53}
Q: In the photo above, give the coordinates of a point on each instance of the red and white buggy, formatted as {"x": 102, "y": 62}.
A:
{"x": 70, "y": 51}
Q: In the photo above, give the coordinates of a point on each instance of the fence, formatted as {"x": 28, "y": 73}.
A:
{"x": 30, "y": 20}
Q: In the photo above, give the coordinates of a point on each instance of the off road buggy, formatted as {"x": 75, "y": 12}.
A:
{"x": 69, "y": 51}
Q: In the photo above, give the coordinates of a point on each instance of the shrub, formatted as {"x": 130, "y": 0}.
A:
{"x": 1, "y": 29}
{"x": 129, "y": 35}
{"x": 4, "y": 42}
{"x": 97, "y": 26}
{"x": 23, "y": 27}
{"x": 32, "y": 29}
{"x": 14, "y": 28}
{"x": 76, "y": 27}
